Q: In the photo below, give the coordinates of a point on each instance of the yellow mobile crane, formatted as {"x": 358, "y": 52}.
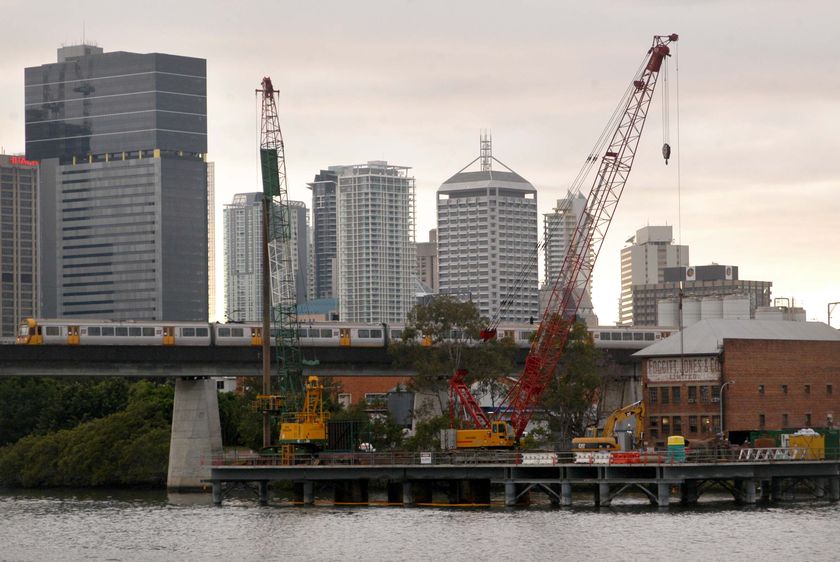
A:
{"x": 629, "y": 420}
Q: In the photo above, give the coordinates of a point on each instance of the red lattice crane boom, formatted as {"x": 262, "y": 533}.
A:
{"x": 558, "y": 318}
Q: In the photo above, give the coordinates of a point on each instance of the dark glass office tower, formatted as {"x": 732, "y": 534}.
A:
{"x": 325, "y": 232}
{"x": 122, "y": 140}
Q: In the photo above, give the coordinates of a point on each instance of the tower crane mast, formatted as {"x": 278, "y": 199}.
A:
{"x": 281, "y": 300}
{"x": 559, "y": 315}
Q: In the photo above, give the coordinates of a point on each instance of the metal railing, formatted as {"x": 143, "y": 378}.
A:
{"x": 528, "y": 458}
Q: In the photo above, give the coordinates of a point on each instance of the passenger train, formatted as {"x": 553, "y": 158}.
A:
{"x": 37, "y": 331}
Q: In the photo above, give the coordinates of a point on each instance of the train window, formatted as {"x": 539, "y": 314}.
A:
{"x": 303, "y": 333}
{"x": 627, "y": 336}
{"x": 396, "y": 334}
{"x": 326, "y": 333}
{"x": 148, "y": 331}
{"x": 53, "y": 331}
{"x": 605, "y": 336}
{"x": 648, "y": 336}
{"x": 616, "y": 336}
{"x": 237, "y": 332}
{"x": 638, "y": 336}
{"x": 121, "y": 331}
{"x": 224, "y": 332}
{"x": 94, "y": 331}
{"x": 135, "y": 331}
{"x": 201, "y": 332}
{"x": 364, "y": 333}
{"x": 107, "y": 330}
{"x": 188, "y": 332}
{"x": 376, "y": 333}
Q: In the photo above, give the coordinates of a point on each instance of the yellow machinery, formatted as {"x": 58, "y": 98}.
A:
{"x": 629, "y": 420}
{"x": 498, "y": 436}
{"x": 309, "y": 426}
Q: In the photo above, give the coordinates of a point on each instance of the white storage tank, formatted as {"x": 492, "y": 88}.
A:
{"x": 691, "y": 311}
{"x": 736, "y": 307}
{"x": 668, "y": 313}
{"x": 711, "y": 307}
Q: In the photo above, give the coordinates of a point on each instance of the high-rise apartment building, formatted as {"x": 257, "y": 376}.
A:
{"x": 427, "y": 262}
{"x": 643, "y": 262}
{"x": 558, "y": 229}
{"x": 243, "y": 254}
{"x": 487, "y": 239}
{"x": 122, "y": 139}
{"x": 376, "y": 253}
{"x": 18, "y": 242}
{"x": 324, "y": 233}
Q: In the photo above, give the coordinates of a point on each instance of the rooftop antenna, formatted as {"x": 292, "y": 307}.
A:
{"x": 486, "y": 151}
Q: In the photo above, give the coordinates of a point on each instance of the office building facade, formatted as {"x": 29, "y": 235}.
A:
{"x": 643, "y": 262}
{"x": 18, "y": 242}
{"x": 122, "y": 140}
{"x": 487, "y": 239}
{"x": 427, "y": 262}
{"x": 376, "y": 252}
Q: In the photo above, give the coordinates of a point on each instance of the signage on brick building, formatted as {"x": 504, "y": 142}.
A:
{"x": 692, "y": 369}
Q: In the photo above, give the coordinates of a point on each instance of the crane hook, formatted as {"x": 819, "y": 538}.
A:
{"x": 666, "y": 152}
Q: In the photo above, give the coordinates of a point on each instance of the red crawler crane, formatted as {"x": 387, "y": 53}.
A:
{"x": 558, "y": 318}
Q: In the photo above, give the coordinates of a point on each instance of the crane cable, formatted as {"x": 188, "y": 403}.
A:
{"x": 574, "y": 190}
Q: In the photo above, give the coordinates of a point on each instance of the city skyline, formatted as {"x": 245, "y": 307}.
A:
{"x": 755, "y": 150}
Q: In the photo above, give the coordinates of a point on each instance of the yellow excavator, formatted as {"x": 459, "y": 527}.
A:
{"x": 623, "y": 430}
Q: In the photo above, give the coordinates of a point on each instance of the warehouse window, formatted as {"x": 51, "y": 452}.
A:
{"x": 807, "y": 420}
{"x": 665, "y": 397}
{"x": 692, "y": 424}
{"x": 829, "y": 389}
{"x": 784, "y": 389}
{"x": 675, "y": 394}
{"x": 807, "y": 389}
{"x": 704, "y": 394}
{"x": 677, "y": 425}
{"x": 785, "y": 421}
{"x": 652, "y": 392}
{"x": 761, "y": 389}
{"x": 692, "y": 394}
{"x": 761, "y": 421}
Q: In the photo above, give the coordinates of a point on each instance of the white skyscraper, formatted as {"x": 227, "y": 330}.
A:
{"x": 376, "y": 253}
{"x": 558, "y": 229}
{"x": 243, "y": 255}
{"x": 487, "y": 236}
{"x": 644, "y": 261}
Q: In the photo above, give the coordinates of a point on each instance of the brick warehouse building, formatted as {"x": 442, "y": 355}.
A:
{"x": 784, "y": 375}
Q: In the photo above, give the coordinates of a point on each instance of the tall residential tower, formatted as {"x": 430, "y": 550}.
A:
{"x": 487, "y": 239}
{"x": 376, "y": 253}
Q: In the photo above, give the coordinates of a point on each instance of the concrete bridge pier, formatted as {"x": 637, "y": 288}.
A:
{"x": 663, "y": 496}
{"x": 602, "y": 495}
{"x": 196, "y": 434}
{"x": 566, "y": 494}
{"x": 217, "y": 492}
{"x": 408, "y": 494}
{"x": 748, "y": 491}
{"x": 263, "y": 484}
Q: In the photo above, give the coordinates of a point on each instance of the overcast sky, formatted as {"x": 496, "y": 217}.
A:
{"x": 414, "y": 83}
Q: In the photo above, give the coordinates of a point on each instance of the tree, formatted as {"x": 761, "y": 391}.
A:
{"x": 568, "y": 401}
{"x": 441, "y": 336}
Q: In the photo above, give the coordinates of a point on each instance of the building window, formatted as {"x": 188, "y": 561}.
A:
{"x": 716, "y": 423}
{"x": 666, "y": 425}
{"x": 704, "y": 394}
{"x": 829, "y": 389}
{"x": 692, "y": 424}
{"x": 345, "y": 399}
{"x": 785, "y": 421}
{"x": 677, "y": 421}
{"x": 807, "y": 389}
{"x": 692, "y": 394}
{"x": 652, "y": 393}
{"x": 715, "y": 394}
{"x": 665, "y": 397}
{"x": 807, "y": 420}
{"x": 675, "y": 394}
{"x": 761, "y": 389}
{"x": 761, "y": 421}
{"x": 784, "y": 389}
{"x": 220, "y": 385}
{"x": 706, "y": 424}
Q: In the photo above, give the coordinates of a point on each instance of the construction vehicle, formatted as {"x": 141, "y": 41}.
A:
{"x": 623, "y": 430}
{"x": 618, "y": 143}
{"x": 308, "y": 427}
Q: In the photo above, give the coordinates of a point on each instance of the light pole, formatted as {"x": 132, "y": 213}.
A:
{"x": 831, "y": 306}
{"x": 722, "y": 387}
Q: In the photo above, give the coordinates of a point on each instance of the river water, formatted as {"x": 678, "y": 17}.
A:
{"x": 151, "y": 525}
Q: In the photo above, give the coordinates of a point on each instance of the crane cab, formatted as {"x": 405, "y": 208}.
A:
{"x": 498, "y": 436}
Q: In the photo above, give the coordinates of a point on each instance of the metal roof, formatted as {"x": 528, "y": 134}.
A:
{"x": 706, "y": 337}
{"x": 482, "y": 179}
